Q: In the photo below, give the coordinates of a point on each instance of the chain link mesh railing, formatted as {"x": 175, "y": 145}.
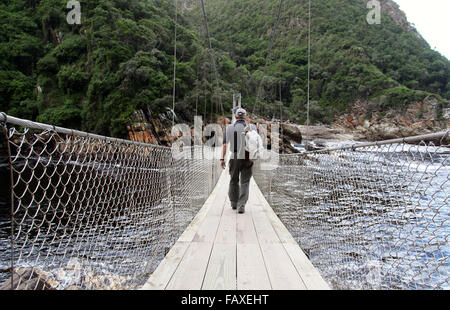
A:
{"x": 90, "y": 212}
{"x": 370, "y": 216}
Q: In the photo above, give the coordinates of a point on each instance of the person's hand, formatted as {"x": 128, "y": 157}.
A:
{"x": 222, "y": 164}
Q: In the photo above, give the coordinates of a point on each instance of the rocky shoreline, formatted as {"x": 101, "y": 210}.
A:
{"x": 419, "y": 118}
{"x": 360, "y": 124}
{"x": 156, "y": 130}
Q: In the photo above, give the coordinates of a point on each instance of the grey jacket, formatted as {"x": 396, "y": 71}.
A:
{"x": 234, "y": 135}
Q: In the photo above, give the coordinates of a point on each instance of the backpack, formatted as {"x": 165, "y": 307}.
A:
{"x": 253, "y": 143}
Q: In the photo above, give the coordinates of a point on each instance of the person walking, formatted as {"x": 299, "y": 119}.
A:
{"x": 240, "y": 164}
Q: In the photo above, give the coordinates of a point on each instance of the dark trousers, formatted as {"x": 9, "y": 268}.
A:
{"x": 240, "y": 170}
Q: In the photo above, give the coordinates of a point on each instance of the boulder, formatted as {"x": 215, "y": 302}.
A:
{"x": 28, "y": 279}
{"x": 292, "y": 131}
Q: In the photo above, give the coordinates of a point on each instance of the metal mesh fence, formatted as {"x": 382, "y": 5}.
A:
{"x": 374, "y": 216}
{"x": 91, "y": 212}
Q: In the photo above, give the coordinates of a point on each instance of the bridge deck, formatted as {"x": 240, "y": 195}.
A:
{"x": 224, "y": 250}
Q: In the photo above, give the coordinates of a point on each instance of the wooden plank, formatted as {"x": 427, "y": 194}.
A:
{"x": 253, "y": 197}
{"x": 165, "y": 270}
{"x": 211, "y": 202}
{"x": 221, "y": 249}
{"x": 309, "y": 274}
{"x": 221, "y": 271}
{"x": 208, "y": 229}
{"x": 264, "y": 230}
{"x": 191, "y": 270}
{"x": 226, "y": 232}
{"x": 189, "y": 233}
{"x": 220, "y": 195}
{"x": 282, "y": 232}
{"x": 251, "y": 270}
{"x": 282, "y": 273}
{"x": 245, "y": 230}
{"x": 217, "y": 205}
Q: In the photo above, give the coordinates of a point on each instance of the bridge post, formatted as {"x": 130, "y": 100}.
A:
{"x": 236, "y": 104}
{"x": 233, "y": 118}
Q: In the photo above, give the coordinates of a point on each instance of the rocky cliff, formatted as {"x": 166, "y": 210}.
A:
{"x": 419, "y": 118}
{"x": 157, "y": 129}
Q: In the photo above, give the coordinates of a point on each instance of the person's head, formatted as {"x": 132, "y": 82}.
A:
{"x": 240, "y": 113}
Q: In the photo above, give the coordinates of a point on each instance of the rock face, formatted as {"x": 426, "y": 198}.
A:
{"x": 419, "y": 118}
{"x": 28, "y": 279}
{"x": 292, "y": 132}
{"x": 288, "y": 133}
{"x": 157, "y": 131}
{"x": 392, "y": 9}
{"x": 153, "y": 130}
{"x": 361, "y": 123}
{"x": 73, "y": 276}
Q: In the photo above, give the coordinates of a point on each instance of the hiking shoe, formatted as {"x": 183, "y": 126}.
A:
{"x": 234, "y": 207}
{"x": 241, "y": 209}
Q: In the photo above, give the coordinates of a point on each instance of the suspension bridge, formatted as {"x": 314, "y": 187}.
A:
{"x": 84, "y": 211}
{"x": 224, "y": 250}
{"x": 93, "y": 212}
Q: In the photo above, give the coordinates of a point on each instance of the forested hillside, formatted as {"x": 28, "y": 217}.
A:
{"x": 93, "y": 76}
{"x": 388, "y": 64}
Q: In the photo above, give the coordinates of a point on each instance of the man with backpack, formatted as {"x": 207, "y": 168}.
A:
{"x": 240, "y": 136}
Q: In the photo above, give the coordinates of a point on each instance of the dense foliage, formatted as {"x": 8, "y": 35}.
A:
{"x": 93, "y": 76}
{"x": 387, "y": 64}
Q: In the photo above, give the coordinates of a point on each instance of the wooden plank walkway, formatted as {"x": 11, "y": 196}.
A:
{"x": 224, "y": 250}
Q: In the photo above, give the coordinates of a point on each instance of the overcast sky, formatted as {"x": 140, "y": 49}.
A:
{"x": 432, "y": 20}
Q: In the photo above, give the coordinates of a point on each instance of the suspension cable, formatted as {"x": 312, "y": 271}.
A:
{"x": 211, "y": 53}
{"x": 197, "y": 86}
{"x": 205, "y": 111}
{"x": 281, "y": 59}
{"x": 268, "y": 55}
{"x": 174, "y": 63}
{"x": 279, "y": 84}
{"x": 309, "y": 63}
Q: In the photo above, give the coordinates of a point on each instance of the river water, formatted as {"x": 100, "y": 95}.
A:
{"x": 101, "y": 227}
{"x": 367, "y": 219}
{"x": 373, "y": 218}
